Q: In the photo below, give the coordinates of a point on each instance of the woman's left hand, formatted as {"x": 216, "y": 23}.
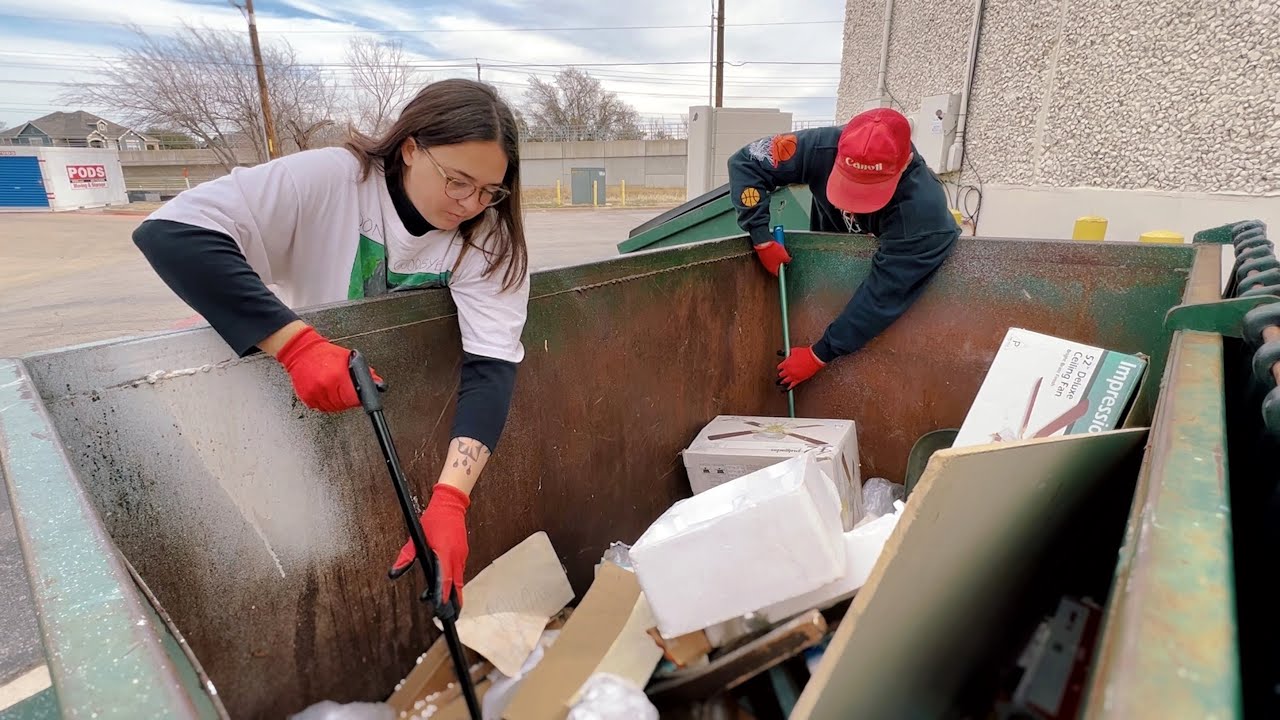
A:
{"x": 444, "y": 523}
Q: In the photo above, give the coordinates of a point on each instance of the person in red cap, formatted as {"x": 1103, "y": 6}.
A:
{"x": 866, "y": 178}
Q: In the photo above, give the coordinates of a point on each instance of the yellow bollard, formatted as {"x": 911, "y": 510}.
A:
{"x": 1162, "y": 236}
{"x": 1090, "y": 228}
{"x": 559, "y": 200}
{"x": 624, "y": 193}
{"x": 958, "y": 217}
{"x": 595, "y": 193}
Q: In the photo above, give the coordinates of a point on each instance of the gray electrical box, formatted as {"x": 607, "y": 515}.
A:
{"x": 582, "y": 181}
{"x": 934, "y": 130}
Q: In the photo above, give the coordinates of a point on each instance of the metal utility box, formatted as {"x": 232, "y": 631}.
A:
{"x": 934, "y": 130}
{"x": 584, "y": 182}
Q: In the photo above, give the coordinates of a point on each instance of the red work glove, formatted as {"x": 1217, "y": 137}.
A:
{"x": 801, "y": 365}
{"x": 320, "y": 371}
{"x": 444, "y": 523}
{"x": 772, "y": 256}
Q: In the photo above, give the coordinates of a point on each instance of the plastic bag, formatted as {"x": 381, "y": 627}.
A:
{"x": 330, "y": 710}
{"x": 619, "y": 553}
{"x": 878, "y": 496}
{"x": 606, "y": 696}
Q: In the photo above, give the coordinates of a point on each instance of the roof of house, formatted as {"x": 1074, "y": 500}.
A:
{"x": 71, "y": 125}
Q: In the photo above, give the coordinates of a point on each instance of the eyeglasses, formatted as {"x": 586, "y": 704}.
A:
{"x": 460, "y": 189}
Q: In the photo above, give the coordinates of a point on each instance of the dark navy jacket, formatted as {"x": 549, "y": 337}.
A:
{"x": 916, "y": 230}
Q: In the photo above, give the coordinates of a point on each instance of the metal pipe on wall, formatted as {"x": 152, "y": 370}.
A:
{"x": 882, "y": 84}
{"x": 975, "y": 33}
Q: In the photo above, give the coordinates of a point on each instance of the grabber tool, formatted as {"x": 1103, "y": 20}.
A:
{"x": 370, "y": 399}
{"x": 778, "y": 237}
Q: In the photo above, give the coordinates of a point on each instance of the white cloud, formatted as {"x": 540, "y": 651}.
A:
{"x": 657, "y": 89}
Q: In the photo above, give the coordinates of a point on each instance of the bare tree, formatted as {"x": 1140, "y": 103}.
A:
{"x": 201, "y": 82}
{"x": 575, "y": 106}
{"x": 383, "y": 80}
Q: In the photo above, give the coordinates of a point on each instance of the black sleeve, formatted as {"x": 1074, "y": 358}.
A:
{"x": 484, "y": 398}
{"x": 900, "y": 272}
{"x": 207, "y": 270}
{"x": 757, "y": 169}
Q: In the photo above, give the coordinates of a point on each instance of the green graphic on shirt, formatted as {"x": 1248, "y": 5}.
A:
{"x": 370, "y": 277}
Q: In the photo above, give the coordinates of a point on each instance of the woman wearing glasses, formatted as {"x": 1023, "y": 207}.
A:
{"x": 433, "y": 202}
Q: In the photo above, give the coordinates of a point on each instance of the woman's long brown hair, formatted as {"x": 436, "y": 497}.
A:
{"x": 455, "y": 111}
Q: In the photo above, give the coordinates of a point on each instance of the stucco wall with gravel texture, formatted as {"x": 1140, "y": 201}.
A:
{"x": 1168, "y": 95}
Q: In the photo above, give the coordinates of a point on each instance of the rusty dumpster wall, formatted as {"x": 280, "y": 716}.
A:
{"x": 924, "y": 371}
{"x": 266, "y": 530}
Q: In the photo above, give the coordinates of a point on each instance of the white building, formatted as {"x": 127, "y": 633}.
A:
{"x": 1162, "y": 114}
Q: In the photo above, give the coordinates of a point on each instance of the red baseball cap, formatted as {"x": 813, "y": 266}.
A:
{"x": 874, "y": 149}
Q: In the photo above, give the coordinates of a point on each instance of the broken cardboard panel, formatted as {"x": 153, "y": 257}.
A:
{"x": 731, "y": 446}
{"x": 507, "y": 605}
{"x": 757, "y": 540}
{"x": 1042, "y": 386}
{"x": 606, "y": 633}
{"x": 978, "y": 518}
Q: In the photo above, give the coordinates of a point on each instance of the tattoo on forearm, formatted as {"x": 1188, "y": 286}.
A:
{"x": 472, "y": 451}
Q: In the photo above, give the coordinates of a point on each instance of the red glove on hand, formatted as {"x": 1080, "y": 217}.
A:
{"x": 320, "y": 371}
{"x": 801, "y": 365}
{"x": 772, "y": 256}
{"x": 444, "y": 523}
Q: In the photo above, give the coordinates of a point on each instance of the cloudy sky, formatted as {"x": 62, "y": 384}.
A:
{"x": 778, "y": 54}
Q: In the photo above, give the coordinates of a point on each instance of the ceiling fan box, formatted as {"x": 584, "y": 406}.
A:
{"x": 731, "y": 446}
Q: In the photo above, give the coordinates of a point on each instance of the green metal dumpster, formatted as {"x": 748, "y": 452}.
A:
{"x": 712, "y": 215}
{"x": 200, "y": 545}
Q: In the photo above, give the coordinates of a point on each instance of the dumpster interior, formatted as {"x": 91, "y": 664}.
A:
{"x": 265, "y": 531}
{"x": 1255, "y": 529}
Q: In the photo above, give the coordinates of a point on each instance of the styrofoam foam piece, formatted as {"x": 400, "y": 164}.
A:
{"x": 862, "y": 546}
{"x": 752, "y": 542}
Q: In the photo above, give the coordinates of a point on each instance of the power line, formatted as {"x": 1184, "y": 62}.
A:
{"x": 53, "y": 83}
{"x": 436, "y": 31}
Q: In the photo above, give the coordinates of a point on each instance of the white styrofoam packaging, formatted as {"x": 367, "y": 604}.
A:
{"x": 1042, "y": 386}
{"x": 731, "y": 446}
{"x": 862, "y": 546}
{"x": 744, "y": 545}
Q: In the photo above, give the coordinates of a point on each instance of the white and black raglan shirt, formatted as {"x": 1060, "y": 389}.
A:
{"x": 303, "y": 230}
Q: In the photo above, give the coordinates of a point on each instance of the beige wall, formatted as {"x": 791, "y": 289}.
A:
{"x": 652, "y": 163}
{"x": 1159, "y": 97}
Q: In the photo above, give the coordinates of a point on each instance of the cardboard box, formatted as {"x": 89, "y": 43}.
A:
{"x": 608, "y": 632}
{"x": 731, "y": 446}
{"x": 1041, "y": 386}
{"x": 741, "y": 546}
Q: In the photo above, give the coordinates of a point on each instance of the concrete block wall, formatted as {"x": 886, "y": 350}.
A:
{"x": 648, "y": 163}
{"x": 1171, "y": 101}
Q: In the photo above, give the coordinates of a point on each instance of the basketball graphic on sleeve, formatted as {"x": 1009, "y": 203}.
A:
{"x": 783, "y": 148}
{"x": 750, "y": 197}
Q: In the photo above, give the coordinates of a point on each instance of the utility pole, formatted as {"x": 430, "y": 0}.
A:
{"x": 478, "y": 70}
{"x": 269, "y": 125}
{"x": 720, "y": 55}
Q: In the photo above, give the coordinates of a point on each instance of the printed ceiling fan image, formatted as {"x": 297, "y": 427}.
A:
{"x": 770, "y": 431}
